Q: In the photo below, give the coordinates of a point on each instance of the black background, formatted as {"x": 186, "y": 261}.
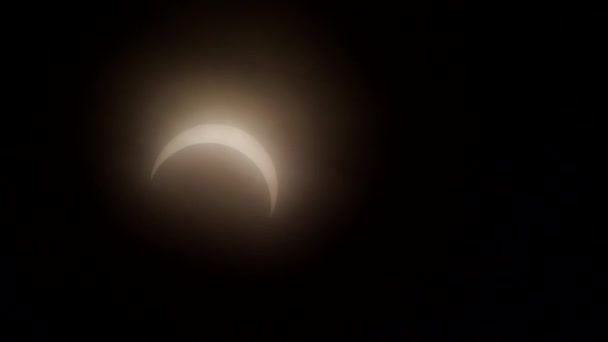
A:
{"x": 481, "y": 221}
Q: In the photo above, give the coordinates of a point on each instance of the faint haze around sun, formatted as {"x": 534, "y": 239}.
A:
{"x": 282, "y": 81}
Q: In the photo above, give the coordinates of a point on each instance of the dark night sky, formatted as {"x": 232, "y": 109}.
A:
{"x": 470, "y": 210}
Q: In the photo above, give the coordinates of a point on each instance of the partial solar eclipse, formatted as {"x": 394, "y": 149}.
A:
{"x": 227, "y": 136}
